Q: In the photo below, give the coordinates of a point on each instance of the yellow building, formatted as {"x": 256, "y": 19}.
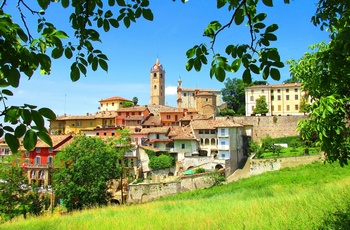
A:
{"x": 282, "y": 99}
{"x": 76, "y": 124}
{"x": 112, "y": 103}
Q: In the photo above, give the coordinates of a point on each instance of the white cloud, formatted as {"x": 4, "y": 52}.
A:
{"x": 171, "y": 90}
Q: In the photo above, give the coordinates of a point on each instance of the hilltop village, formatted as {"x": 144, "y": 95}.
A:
{"x": 192, "y": 132}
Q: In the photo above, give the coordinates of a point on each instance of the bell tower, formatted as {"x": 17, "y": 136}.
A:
{"x": 157, "y": 80}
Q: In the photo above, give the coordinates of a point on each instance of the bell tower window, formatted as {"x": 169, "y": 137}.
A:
{"x": 154, "y": 75}
{"x": 155, "y": 87}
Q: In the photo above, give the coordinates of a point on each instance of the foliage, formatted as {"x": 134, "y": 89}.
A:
{"x": 227, "y": 112}
{"x": 304, "y": 105}
{"x": 199, "y": 170}
{"x": 87, "y": 165}
{"x": 215, "y": 178}
{"x": 255, "y": 148}
{"x": 243, "y": 12}
{"x": 25, "y": 51}
{"x": 127, "y": 104}
{"x": 324, "y": 73}
{"x": 276, "y": 149}
{"x": 37, "y": 203}
{"x": 261, "y": 105}
{"x": 267, "y": 142}
{"x": 234, "y": 96}
{"x": 12, "y": 189}
{"x": 135, "y": 100}
{"x": 162, "y": 161}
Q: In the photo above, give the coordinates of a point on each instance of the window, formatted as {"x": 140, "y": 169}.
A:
{"x": 90, "y": 123}
{"x": 154, "y": 75}
{"x": 50, "y": 150}
{"x": 212, "y": 131}
{"x": 287, "y": 97}
{"x": 106, "y": 104}
{"x": 168, "y": 117}
{"x": 279, "y": 107}
{"x": 296, "y": 90}
{"x": 287, "y": 90}
{"x": 112, "y": 103}
{"x": 185, "y": 94}
{"x": 154, "y": 87}
{"x": 78, "y": 123}
{"x": 27, "y": 154}
{"x": 288, "y": 107}
{"x": 278, "y": 97}
{"x": 183, "y": 146}
{"x": 37, "y": 160}
{"x": 272, "y": 98}
{"x": 251, "y": 98}
{"x": 222, "y": 132}
{"x": 37, "y": 150}
{"x": 223, "y": 155}
{"x": 271, "y": 90}
{"x": 201, "y": 131}
{"x": 50, "y": 160}
{"x": 296, "y": 97}
{"x": 206, "y": 99}
{"x": 252, "y": 91}
{"x": 161, "y": 75}
{"x": 272, "y": 108}
{"x": 279, "y": 90}
{"x": 297, "y": 107}
{"x": 161, "y": 87}
{"x": 222, "y": 143}
{"x": 101, "y": 105}
{"x": 206, "y": 131}
{"x": 157, "y": 136}
{"x": 262, "y": 91}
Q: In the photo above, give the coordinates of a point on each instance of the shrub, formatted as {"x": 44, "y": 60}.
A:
{"x": 161, "y": 162}
{"x": 199, "y": 170}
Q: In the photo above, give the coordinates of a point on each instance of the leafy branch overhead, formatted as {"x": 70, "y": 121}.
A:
{"x": 24, "y": 52}
{"x": 255, "y": 57}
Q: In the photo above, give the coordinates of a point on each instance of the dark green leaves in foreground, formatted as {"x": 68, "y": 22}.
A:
{"x": 256, "y": 57}
{"x": 29, "y": 124}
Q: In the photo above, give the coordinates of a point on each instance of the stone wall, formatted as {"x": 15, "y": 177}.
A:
{"x": 275, "y": 126}
{"x": 258, "y": 166}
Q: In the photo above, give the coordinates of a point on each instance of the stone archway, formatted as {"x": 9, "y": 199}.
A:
{"x": 144, "y": 198}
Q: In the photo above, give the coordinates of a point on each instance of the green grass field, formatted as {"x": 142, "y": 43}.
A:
{"x": 315, "y": 196}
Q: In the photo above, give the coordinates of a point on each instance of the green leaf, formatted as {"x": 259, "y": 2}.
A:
{"x": 74, "y": 72}
{"x": 271, "y": 28}
{"x": 266, "y": 72}
{"x": 147, "y": 14}
{"x": 20, "y": 130}
{"x": 68, "y": 53}
{"x": 111, "y": 2}
{"x": 126, "y": 22}
{"x": 239, "y": 17}
{"x": 189, "y": 64}
{"x": 268, "y": 2}
{"x": 61, "y": 34}
{"x": 191, "y": 52}
{"x": 259, "y": 25}
{"x": 7, "y": 92}
{"x": 13, "y": 77}
{"x": 44, "y": 3}
{"x": 106, "y": 26}
{"x": 38, "y": 119}
{"x": 247, "y": 77}
{"x": 275, "y": 74}
{"x": 65, "y": 3}
{"x": 220, "y": 3}
{"x": 114, "y": 22}
{"x": 270, "y": 37}
{"x": 45, "y": 137}
{"x": 22, "y": 35}
{"x": 254, "y": 68}
{"x": 29, "y": 140}
{"x": 220, "y": 74}
{"x": 26, "y": 116}
{"x": 197, "y": 64}
{"x": 260, "y": 17}
{"x": 103, "y": 64}
{"x": 12, "y": 142}
{"x": 57, "y": 53}
{"x": 236, "y": 64}
{"x": 48, "y": 113}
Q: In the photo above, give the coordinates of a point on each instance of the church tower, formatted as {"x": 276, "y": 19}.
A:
{"x": 157, "y": 77}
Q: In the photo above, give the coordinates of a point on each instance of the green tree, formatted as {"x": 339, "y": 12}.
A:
{"x": 135, "y": 100}
{"x": 88, "y": 165}
{"x": 127, "y": 104}
{"x": 234, "y": 95}
{"x": 12, "y": 189}
{"x": 304, "y": 105}
{"x": 324, "y": 73}
{"x": 261, "y": 105}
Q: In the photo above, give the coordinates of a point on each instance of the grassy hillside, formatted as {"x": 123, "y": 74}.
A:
{"x": 308, "y": 197}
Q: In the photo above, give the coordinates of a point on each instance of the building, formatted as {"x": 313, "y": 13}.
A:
{"x": 39, "y": 162}
{"x": 282, "y": 99}
{"x": 112, "y": 103}
{"x": 157, "y": 83}
{"x": 205, "y": 101}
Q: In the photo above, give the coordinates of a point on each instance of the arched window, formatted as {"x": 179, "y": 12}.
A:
{"x": 154, "y": 87}
{"x": 50, "y": 160}
{"x": 33, "y": 174}
{"x": 37, "y": 160}
{"x": 154, "y": 75}
{"x": 212, "y": 141}
{"x": 161, "y": 75}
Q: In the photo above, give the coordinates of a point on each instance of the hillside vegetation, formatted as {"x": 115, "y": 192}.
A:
{"x": 315, "y": 196}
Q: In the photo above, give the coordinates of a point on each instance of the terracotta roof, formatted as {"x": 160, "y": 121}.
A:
{"x": 160, "y": 140}
{"x": 134, "y": 118}
{"x": 172, "y": 110}
{"x": 183, "y": 133}
{"x": 194, "y": 89}
{"x": 106, "y": 114}
{"x": 205, "y": 94}
{"x": 164, "y": 130}
{"x": 56, "y": 140}
{"x": 67, "y": 118}
{"x": 116, "y": 98}
{"x": 152, "y": 121}
{"x": 133, "y": 109}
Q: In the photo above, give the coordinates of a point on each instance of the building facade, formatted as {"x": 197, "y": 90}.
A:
{"x": 281, "y": 99}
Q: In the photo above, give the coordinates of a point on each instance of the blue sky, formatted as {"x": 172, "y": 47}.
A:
{"x": 132, "y": 52}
